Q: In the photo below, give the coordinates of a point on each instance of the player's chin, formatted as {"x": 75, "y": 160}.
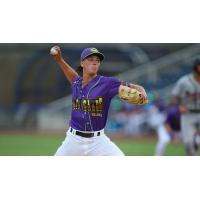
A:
{"x": 93, "y": 72}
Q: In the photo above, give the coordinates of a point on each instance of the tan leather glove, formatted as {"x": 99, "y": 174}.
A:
{"x": 132, "y": 96}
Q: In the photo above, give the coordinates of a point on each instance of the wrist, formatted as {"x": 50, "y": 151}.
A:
{"x": 125, "y": 83}
{"x": 60, "y": 60}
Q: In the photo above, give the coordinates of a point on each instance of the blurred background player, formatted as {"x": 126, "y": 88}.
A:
{"x": 197, "y": 137}
{"x": 155, "y": 111}
{"x": 187, "y": 94}
{"x": 169, "y": 130}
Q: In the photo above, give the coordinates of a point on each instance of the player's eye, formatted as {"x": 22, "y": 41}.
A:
{"x": 90, "y": 59}
{"x": 94, "y": 59}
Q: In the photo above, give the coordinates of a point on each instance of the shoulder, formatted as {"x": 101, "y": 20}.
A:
{"x": 184, "y": 79}
{"x": 76, "y": 79}
{"x": 110, "y": 79}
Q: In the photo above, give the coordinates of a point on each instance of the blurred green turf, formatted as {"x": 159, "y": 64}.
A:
{"x": 36, "y": 145}
{"x": 147, "y": 148}
{"x": 44, "y": 145}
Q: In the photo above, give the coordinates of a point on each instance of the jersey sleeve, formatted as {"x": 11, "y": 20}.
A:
{"x": 114, "y": 84}
{"x": 75, "y": 79}
{"x": 178, "y": 89}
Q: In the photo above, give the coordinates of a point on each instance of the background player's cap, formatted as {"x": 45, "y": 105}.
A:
{"x": 196, "y": 63}
{"x": 91, "y": 51}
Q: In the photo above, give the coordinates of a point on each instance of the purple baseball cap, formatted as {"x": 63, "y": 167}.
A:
{"x": 91, "y": 51}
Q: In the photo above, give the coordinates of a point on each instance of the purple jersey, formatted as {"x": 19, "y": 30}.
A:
{"x": 173, "y": 118}
{"x": 90, "y": 104}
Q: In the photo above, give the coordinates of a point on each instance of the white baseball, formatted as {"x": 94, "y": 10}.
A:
{"x": 53, "y": 51}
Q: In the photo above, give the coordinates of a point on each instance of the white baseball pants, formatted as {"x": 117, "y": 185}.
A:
{"x": 75, "y": 145}
{"x": 188, "y": 131}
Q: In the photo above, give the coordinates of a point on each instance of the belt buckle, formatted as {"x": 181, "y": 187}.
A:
{"x": 87, "y": 135}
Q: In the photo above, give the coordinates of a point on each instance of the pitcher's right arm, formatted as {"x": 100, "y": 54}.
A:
{"x": 69, "y": 72}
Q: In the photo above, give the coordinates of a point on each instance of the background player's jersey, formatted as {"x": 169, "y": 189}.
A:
{"x": 188, "y": 89}
{"x": 173, "y": 118}
{"x": 90, "y": 104}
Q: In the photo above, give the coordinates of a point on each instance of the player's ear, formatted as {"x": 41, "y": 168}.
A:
{"x": 81, "y": 64}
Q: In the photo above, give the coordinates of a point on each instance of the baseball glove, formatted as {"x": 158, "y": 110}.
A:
{"x": 132, "y": 96}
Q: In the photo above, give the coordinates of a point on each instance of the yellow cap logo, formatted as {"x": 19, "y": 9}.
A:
{"x": 94, "y": 50}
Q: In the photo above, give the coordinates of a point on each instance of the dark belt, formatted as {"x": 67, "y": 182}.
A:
{"x": 83, "y": 134}
{"x": 194, "y": 111}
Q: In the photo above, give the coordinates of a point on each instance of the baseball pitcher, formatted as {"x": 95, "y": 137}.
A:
{"x": 91, "y": 97}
